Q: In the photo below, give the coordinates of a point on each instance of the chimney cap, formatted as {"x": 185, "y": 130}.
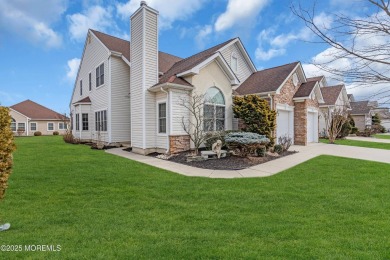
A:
{"x": 143, "y": 3}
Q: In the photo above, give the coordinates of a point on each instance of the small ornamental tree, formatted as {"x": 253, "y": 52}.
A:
{"x": 257, "y": 115}
{"x": 7, "y": 146}
{"x": 335, "y": 122}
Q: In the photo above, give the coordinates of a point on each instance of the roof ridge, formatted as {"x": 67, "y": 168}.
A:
{"x": 37, "y": 105}
{"x": 295, "y": 62}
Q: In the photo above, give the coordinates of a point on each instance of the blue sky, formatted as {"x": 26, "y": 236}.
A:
{"x": 41, "y": 41}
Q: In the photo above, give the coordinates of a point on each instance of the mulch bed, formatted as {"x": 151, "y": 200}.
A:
{"x": 227, "y": 163}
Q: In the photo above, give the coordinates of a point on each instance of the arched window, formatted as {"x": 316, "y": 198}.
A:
{"x": 234, "y": 62}
{"x": 13, "y": 125}
{"x": 214, "y": 110}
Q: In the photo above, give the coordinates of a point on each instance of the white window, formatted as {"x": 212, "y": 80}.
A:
{"x": 81, "y": 87}
{"x": 33, "y": 126}
{"x": 21, "y": 127}
{"x": 84, "y": 118}
{"x": 62, "y": 126}
{"x": 77, "y": 122}
{"x": 50, "y": 126}
{"x": 162, "y": 118}
{"x": 100, "y": 75}
{"x": 101, "y": 120}
{"x": 13, "y": 125}
{"x": 295, "y": 79}
{"x": 214, "y": 110}
{"x": 234, "y": 62}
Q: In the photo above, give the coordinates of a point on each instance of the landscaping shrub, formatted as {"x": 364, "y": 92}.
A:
{"x": 257, "y": 115}
{"x": 285, "y": 141}
{"x": 278, "y": 149}
{"x": 366, "y": 133}
{"x": 262, "y": 151}
{"x": 20, "y": 131}
{"x": 245, "y": 143}
{"x": 56, "y": 133}
{"x": 7, "y": 146}
{"x": 212, "y": 137}
{"x": 354, "y": 130}
{"x": 37, "y": 133}
{"x": 69, "y": 138}
{"x": 345, "y": 130}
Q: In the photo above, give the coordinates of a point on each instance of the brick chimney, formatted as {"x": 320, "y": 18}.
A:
{"x": 143, "y": 75}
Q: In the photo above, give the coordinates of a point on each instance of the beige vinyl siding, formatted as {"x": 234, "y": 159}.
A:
{"x": 178, "y": 111}
{"x": 19, "y": 118}
{"x": 136, "y": 87}
{"x": 161, "y": 139}
{"x": 120, "y": 101}
{"x": 243, "y": 68}
{"x": 95, "y": 54}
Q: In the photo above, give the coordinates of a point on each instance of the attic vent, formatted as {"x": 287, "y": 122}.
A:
{"x": 295, "y": 79}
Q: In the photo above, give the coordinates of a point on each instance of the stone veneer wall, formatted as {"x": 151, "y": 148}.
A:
{"x": 179, "y": 143}
{"x": 300, "y": 123}
{"x": 286, "y": 94}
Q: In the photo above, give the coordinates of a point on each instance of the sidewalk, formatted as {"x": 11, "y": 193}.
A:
{"x": 368, "y": 139}
{"x": 266, "y": 169}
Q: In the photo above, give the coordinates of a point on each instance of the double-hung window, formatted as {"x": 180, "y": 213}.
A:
{"x": 50, "y": 126}
{"x": 214, "y": 110}
{"x": 33, "y": 126}
{"x": 100, "y": 75}
{"x": 84, "y": 118}
{"x": 101, "y": 120}
{"x": 62, "y": 126}
{"x": 162, "y": 118}
{"x": 13, "y": 125}
{"x": 77, "y": 122}
{"x": 22, "y": 127}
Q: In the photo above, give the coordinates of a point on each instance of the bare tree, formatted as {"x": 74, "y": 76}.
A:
{"x": 195, "y": 125}
{"x": 363, "y": 41}
{"x": 334, "y": 122}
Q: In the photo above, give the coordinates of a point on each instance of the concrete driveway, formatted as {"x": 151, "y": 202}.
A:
{"x": 266, "y": 169}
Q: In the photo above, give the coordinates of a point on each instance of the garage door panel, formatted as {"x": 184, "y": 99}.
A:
{"x": 285, "y": 123}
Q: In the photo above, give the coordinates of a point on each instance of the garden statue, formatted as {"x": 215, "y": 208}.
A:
{"x": 216, "y": 147}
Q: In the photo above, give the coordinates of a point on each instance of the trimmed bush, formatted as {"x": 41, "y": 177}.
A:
{"x": 37, "y": 133}
{"x": 245, "y": 143}
{"x": 262, "y": 151}
{"x": 285, "y": 141}
{"x": 56, "y": 133}
{"x": 7, "y": 146}
{"x": 278, "y": 149}
{"x": 212, "y": 137}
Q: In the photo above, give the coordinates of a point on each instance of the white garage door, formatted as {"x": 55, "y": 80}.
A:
{"x": 285, "y": 124}
{"x": 312, "y": 127}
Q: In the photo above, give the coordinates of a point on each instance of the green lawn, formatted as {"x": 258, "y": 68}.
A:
{"x": 96, "y": 205}
{"x": 382, "y": 136}
{"x": 366, "y": 144}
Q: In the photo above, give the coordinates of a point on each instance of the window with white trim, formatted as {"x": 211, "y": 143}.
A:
{"x": 81, "y": 87}
{"x": 62, "y": 126}
{"x": 162, "y": 118}
{"x": 84, "y": 119}
{"x": 77, "y": 122}
{"x": 50, "y": 126}
{"x": 234, "y": 62}
{"x": 90, "y": 81}
{"x": 21, "y": 127}
{"x": 100, "y": 75}
{"x": 13, "y": 125}
{"x": 101, "y": 120}
{"x": 33, "y": 126}
{"x": 214, "y": 110}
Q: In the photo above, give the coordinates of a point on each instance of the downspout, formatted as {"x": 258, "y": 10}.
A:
{"x": 169, "y": 118}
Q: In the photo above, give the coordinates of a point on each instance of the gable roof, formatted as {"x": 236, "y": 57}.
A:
{"x": 331, "y": 94}
{"x": 267, "y": 80}
{"x": 317, "y": 78}
{"x": 165, "y": 60}
{"x": 305, "y": 89}
{"x": 84, "y": 100}
{"x": 360, "y": 108}
{"x": 36, "y": 111}
{"x": 185, "y": 64}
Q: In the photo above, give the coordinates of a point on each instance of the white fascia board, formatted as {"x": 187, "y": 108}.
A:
{"x": 221, "y": 62}
{"x": 243, "y": 51}
{"x": 284, "y": 107}
{"x": 312, "y": 109}
{"x": 166, "y": 86}
{"x": 285, "y": 80}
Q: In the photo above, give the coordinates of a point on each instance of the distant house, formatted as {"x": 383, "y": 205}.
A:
{"x": 361, "y": 112}
{"x": 29, "y": 117}
{"x": 384, "y": 115}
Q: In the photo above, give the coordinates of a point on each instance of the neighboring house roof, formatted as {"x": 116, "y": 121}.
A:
{"x": 165, "y": 60}
{"x": 383, "y": 112}
{"x": 305, "y": 89}
{"x": 36, "y": 111}
{"x": 84, "y": 100}
{"x": 331, "y": 94}
{"x": 351, "y": 97}
{"x": 267, "y": 80}
{"x": 360, "y": 108}
{"x": 186, "y": 64}
{"x": 317, "y": 78}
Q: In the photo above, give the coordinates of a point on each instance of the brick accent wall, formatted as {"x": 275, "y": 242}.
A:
{"x": 286, "y": 94}
{"x": 300, "y": 123}
{"x": 179, "y": 143}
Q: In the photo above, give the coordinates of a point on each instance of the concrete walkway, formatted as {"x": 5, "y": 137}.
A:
{"x": 266, "y": 169}
{"x": 368, "y": 139}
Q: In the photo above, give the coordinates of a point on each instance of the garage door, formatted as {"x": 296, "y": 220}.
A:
{"x": 285, "y": 124}
{"x": 312, "y": 127}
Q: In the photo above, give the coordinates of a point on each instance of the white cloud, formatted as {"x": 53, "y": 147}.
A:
{"x": 239, "y": 12}
{"x": 73, "y": 67}
{"x": 95, "y": 17}
{"x": 169, "y": 10}
{"x": 32, "y": 20}
{"x": 202, "y": 35}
